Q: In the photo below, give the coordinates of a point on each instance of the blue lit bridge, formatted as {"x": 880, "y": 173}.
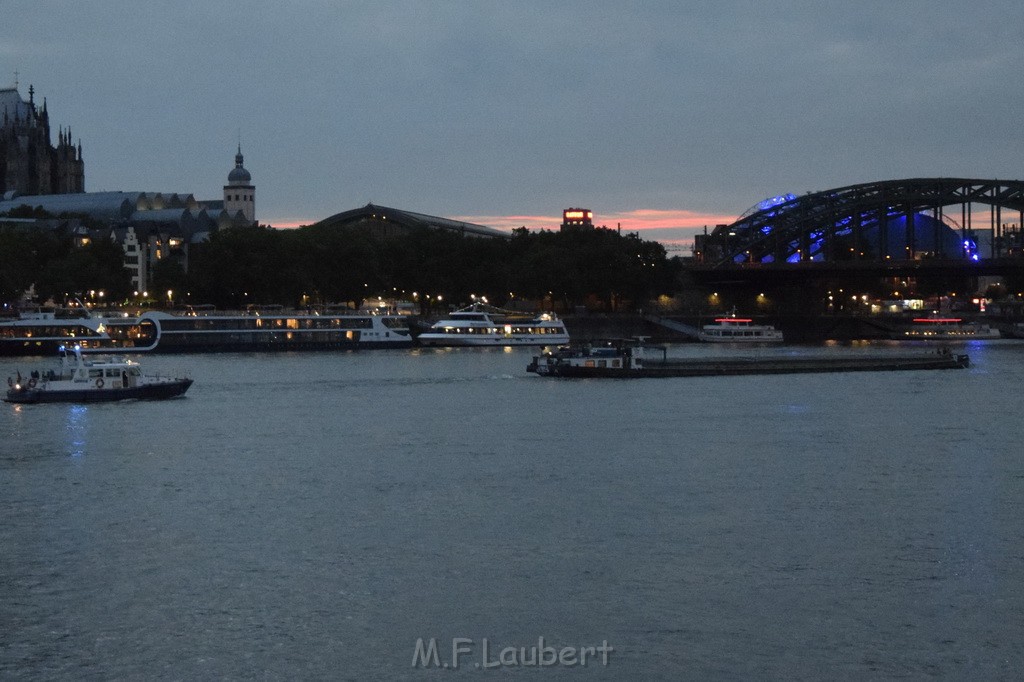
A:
{"x": 889, "y": 228}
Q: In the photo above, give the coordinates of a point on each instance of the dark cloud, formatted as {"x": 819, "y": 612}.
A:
{"x": 525, "y": 108}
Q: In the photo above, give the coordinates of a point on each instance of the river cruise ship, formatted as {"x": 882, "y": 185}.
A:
{"x": 44, "y": 333}
{"x": 162, "y": 332}
{"x": 478, "y": 326}
{"x": 276, "y": 332}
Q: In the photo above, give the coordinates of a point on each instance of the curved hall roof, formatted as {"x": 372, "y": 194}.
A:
{"x": 410, "y": 219}
{"x": 104, "y": 205}
{"x": 99, "y": 205}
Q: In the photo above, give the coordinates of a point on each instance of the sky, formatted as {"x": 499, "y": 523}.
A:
{"x": 660, "y": 117}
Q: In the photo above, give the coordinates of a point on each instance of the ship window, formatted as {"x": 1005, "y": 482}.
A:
{"x": 113, "y": 373}
{"x": 95, "y": 373}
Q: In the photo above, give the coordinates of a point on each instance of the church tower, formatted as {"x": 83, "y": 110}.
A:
{"x": 239, "y": 193}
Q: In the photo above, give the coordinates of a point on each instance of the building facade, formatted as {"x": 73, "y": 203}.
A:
{"x": 577, "y": 219}
{"x": 29, "y": 163}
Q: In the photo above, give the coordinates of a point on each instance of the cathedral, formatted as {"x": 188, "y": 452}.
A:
{"x": 29, "y": 163}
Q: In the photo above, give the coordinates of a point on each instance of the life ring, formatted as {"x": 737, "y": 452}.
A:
{"x": 32, "y": 382}
{"x": 99, "y": 383}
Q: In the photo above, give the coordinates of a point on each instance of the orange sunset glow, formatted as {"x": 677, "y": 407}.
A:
{"x": 673, "y": 228}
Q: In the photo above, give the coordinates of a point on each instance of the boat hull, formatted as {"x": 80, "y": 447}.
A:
{"x": 156, "y": 391}
{"x": 708, "y": 338}
{"x": 990, "y": 335}
{"x": 484, "y": 340}
{"x": 167, "y": 348}
{"x": 696, "y": 368}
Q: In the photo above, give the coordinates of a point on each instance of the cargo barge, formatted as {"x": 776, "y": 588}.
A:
{"x": 625, "y": 360}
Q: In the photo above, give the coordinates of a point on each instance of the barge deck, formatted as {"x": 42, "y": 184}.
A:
{"x": 624, "y": 361}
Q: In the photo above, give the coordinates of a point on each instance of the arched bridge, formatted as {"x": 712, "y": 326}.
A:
{"x": 891, "y": 224}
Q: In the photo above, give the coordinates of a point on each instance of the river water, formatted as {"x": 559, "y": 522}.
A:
{"x": 314, "y": 516}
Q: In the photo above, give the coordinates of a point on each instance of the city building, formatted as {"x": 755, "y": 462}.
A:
{"x": 577, "y": 219}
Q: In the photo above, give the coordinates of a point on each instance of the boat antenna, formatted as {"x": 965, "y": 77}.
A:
{"x": 83, "y": 307}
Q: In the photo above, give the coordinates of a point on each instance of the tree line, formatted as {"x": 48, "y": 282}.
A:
{"x": 53, "y": 265}
{"x": 324, "y": 264}
{"x": 321, "y": 264}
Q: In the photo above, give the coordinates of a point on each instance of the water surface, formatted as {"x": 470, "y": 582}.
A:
{"x": 310, "y": 516}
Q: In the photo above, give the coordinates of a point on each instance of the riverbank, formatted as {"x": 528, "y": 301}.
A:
{"x": 795, "y": 328}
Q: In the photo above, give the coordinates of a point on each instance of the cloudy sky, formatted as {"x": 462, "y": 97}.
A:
{"x": 658, "y": 116}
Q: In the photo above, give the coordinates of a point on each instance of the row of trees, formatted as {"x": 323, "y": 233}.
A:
{"x": 321, "y": 264}
{"x": 53, "y": 264}
{"x": 325, "y": 264}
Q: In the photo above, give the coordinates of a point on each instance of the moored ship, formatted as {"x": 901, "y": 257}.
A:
{"x": 482, "y": 326}
{"x": 734, "y": 329}
{"x": 277, "y": 332}
{"x": 44, "y": 333}
{"x": 156, "y": 331}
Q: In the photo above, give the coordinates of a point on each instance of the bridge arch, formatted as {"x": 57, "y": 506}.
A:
{"x": 891, "y": 220}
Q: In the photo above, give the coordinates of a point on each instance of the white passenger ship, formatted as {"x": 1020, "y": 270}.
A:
{"x": 478, "y": 326}
{"x": 734, "y": 329}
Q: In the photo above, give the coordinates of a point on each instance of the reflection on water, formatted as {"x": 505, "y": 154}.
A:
{"x": 77, "y": 429}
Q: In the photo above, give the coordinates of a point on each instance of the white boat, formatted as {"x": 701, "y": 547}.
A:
{"x": 734, "y": 329}
{"x": 478, "y": 326}
{"x": 97, "y": 379}
{"x": 946, "y": 329}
